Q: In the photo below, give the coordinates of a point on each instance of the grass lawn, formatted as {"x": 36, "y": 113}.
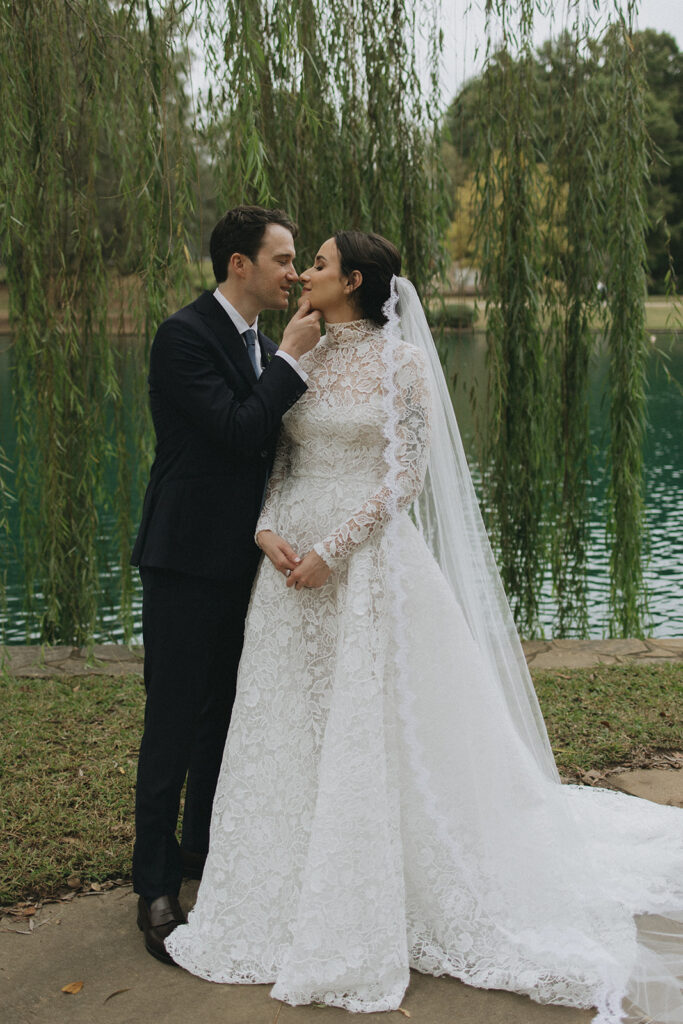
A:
{"x": 68, "y": 751}
{"x": 661, "y": 313}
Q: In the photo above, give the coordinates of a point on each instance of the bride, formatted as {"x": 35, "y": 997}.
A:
{"x": 388, "y": 798}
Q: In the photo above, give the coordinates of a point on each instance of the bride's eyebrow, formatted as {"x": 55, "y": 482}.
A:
{"x": 319, "y": 257}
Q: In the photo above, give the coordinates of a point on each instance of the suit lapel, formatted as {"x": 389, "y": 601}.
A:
{"x": 226, "y": 334}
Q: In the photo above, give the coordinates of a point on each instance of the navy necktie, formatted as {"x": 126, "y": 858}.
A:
{"x": 250, "y": 339}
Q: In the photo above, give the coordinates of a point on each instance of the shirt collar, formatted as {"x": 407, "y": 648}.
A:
{"x": 236, "y": 317}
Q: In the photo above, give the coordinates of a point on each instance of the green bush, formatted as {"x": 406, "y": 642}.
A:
{"x": 452, "y": 314}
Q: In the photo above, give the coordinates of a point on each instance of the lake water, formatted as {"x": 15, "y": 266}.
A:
{"x": 466, "y": 362}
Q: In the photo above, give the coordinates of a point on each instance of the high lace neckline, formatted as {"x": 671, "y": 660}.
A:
{"x": 349, "y": 331}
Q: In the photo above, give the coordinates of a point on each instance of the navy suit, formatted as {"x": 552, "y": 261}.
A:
{"x": 216, "y": 428}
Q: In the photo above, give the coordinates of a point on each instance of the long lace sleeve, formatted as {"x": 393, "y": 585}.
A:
{"x": 407, "y": 453}
{"x": 268, "y": 517}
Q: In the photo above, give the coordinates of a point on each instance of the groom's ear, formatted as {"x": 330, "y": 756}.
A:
{"x": 355, "y": 280}
{"x": 237, "y": 263}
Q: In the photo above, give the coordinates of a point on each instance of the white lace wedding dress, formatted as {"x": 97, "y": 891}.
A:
{"x": 378, "y": 807}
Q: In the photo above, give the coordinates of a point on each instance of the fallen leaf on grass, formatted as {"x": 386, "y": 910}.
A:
{"x": 117, "y": 993}
{"x": 73, "y": 988}
{"x": 73, "y": 882}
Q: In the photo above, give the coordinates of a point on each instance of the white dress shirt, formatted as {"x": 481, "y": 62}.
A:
{"x": 242, "y": 326}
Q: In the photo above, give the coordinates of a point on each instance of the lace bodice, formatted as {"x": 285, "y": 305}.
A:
{"x": 337, "y": 434}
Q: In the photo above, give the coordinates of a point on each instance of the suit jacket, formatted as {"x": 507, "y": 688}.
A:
{"x": 216, "y": 427}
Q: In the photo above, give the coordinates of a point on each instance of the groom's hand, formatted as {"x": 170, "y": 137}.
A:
{"x": 310, "y": 574}
{"x": 283, "y": 557}
{"x": 302, "y": 333}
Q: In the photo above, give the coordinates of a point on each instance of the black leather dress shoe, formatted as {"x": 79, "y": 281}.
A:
{"x": 193, "y": 863}
{"x": 157, "y": 920}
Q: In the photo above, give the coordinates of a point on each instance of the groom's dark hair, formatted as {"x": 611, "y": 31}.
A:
{"x": 241, "y": 230}
{"x": 378, "y": 260}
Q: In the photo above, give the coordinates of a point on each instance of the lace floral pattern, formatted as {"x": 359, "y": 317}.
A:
{"x": 377, "y": 809}
{"x": 351, "y": 379}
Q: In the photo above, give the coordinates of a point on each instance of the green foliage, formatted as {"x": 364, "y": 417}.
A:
{"x": 314, "y": 106}
{"x": 560, "y": 153}
{"x": 511, "y": 262}
{"x": 583, "y": 48}
{"x": 89, "y": 121}
{"x": 574, "y": 202}
{"x": 321, "y": 106}
{"x": 321, "y": 110}
{"x": 626, "y": 177}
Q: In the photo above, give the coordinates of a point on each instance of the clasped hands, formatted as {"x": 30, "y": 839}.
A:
{"x": 307, "y": 573}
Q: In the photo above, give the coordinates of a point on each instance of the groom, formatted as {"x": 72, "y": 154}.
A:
{"x": 218, "y": 389}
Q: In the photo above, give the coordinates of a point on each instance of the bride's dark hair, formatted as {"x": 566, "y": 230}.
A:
{"x": 378, "y": 260}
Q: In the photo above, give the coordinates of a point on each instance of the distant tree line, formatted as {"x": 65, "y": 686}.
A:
{"x": 553, "y": 72}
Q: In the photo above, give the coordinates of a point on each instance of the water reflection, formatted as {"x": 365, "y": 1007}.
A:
{"x": 464, "y": 358}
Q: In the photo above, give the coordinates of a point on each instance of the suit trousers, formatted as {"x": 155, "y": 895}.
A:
{"x": 193, "y": 630}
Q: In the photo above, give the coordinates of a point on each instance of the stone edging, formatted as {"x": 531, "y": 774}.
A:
{"x": 117, "y": 659}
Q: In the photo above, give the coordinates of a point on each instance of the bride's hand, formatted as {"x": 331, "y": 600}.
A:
{"x": 311, "y": 573}
{"x": 283, "y": 557}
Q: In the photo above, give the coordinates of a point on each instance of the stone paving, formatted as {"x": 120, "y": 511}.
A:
{"x": 91, "y": 939}
{"x": 117, "y": 659}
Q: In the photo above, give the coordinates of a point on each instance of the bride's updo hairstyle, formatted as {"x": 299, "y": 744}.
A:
{"x": 377, "y": 260}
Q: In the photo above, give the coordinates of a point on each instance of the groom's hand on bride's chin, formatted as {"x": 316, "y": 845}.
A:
{"x": 281, "y": 554}
{"x": 302, "y": 333}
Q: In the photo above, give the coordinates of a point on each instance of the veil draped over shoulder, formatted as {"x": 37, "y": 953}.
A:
{"x": 558, "y": 874}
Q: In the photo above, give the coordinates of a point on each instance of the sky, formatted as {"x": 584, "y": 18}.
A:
{"x": 463, "y": 23}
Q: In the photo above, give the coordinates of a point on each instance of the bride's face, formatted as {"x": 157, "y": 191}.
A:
{"x": 326, "y": 288}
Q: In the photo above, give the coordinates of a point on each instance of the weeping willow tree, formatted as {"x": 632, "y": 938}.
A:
{"x": 559, "y": 194}
{"x": 91, "y": 122}
{"x": 331, "y": 109}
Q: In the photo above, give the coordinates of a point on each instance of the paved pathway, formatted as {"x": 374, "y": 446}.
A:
{"x": 117, "y": 659}
{"x": 92, "y": 938}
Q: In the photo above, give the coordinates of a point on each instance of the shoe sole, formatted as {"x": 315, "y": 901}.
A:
{"x": 163, "y": 959}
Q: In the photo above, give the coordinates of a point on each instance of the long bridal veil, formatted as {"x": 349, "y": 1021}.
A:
{"x": 557, "y": 876}
{"x": 448, "y": 516}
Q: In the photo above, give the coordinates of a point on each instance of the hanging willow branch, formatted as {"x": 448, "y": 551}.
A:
{"x": 626, "y": 179}
{"x": 86, "y": 94}
{"x": 509, "y": 190}
{"x": 575, "y": 243}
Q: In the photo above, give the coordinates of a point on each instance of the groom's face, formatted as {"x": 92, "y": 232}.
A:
{"x": 271, "y": 274}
